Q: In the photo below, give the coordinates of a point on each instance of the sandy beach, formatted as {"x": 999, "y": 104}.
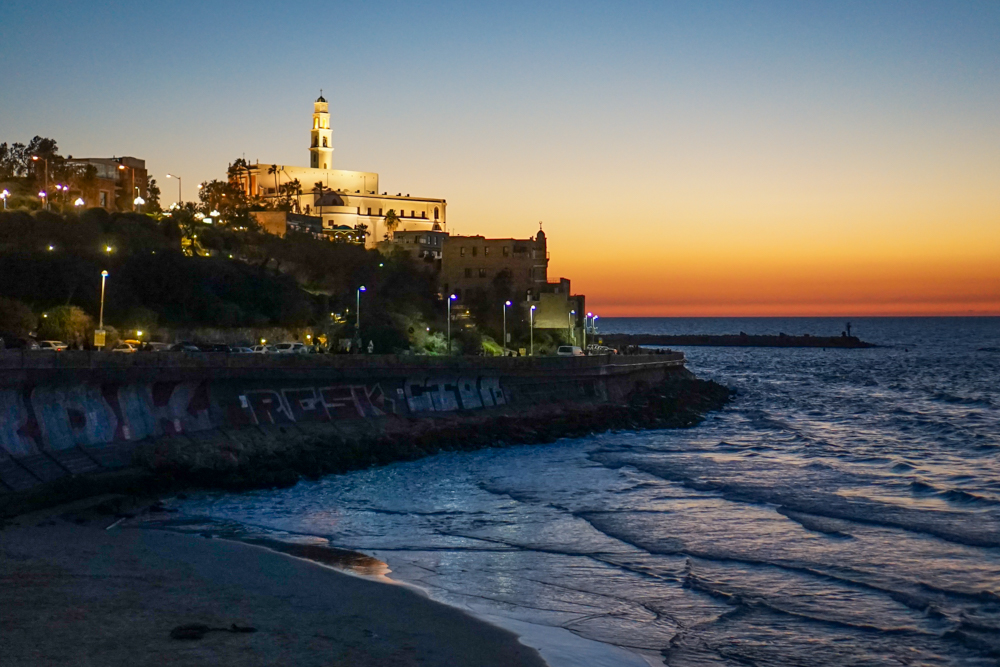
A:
{"x": 74, "y": 592}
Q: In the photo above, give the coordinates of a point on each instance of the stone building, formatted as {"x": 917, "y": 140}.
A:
{"x": 119, "y": 181}
{"x": 343, "y": 199}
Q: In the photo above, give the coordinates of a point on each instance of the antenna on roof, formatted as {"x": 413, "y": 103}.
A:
{"x": 539, "y": 225}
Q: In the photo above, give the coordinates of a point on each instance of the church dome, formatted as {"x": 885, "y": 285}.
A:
{"x": 321, "y": 98}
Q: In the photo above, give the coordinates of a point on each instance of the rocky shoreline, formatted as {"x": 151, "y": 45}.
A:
{"x": 282, "y": 456}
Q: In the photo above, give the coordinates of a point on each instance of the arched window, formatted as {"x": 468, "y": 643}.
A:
{"x": 435, "y": 213}
{"x": 324, "y": 142}
{"x": 315, "y": 123}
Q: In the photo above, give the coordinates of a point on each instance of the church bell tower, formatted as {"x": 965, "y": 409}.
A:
{"x": 321, "y": 151}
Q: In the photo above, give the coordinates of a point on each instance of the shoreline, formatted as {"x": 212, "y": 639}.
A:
{"x": 557, "y": 646}
{"x": 73, "y": 589}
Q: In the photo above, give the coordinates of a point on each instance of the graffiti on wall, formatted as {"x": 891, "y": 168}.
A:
{"x": 59, "y": 418}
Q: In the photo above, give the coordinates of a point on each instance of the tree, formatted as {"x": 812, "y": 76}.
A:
{"x": 16, "y": 318}
{"x": 290, "y": 193}
{"x": 273, "y": 169}
{"x": 391, "y": 222}
{"x": 152, "y": 195}
{"x": 318, "y": 196}
{"x": 66, "y": 323}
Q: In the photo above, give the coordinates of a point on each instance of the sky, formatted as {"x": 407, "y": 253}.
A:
{"x": 686, "y": 158}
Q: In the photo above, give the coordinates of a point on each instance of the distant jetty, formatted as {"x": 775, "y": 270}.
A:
{"x": 735, "y": 340}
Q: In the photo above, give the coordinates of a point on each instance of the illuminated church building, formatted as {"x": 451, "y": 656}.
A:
{"x": 348, "y": 197}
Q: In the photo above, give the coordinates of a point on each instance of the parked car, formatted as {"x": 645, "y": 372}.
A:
{"x": 157, "y": 347}
{"x": 290, "y": 348}
{"x": 54, "y": 345}
{"x": 184, "y": 347}
{"x": 569, "y": 351}
{"x": 11, "y": 341}
{"x": 213, "y": 347}
{"x": 125, "y": 347}
{"x": 262, "y": 349}
{"x": 240, "y": 350}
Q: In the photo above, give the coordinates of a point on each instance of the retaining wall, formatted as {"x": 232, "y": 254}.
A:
{"x": 72, "y": 413}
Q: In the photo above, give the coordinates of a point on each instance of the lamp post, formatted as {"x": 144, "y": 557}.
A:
{"x": 3, "y": 195}
{"x": 593, "y": 325}
{"x": 131, "y": 170}
{"x": 586, "y": 320}
{"x": 44, "y": 196}
{"x": 572, "y": 334}
{"x": 139, "y": 201}
{"x": 104, "y": 277}
{"x": 358, "y": 310}
{"x": 532, "y": 333}
{"x": 179, "y": 195}
{"x": 506, "y": 304}
{"x": 35, "y": 158}
{"x": 79, "y": 202}
{"x": 450, "y": 299}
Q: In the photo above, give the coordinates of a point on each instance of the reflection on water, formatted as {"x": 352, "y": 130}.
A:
{"x": 844, "y": 510}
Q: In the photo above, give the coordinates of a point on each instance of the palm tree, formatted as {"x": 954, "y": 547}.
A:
{"x": 318, "y": 197}
{"x": 273, "y": 169}
{"x": 391, "y": 221}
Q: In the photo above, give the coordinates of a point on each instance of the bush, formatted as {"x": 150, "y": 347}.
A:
{"x": 66, "y": 323}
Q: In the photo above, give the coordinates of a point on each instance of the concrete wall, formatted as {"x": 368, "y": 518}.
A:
{"x": 73, "y": 413}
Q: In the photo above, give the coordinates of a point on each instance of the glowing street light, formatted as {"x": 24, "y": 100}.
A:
{"x": 532, "y": 314}
{"x": 79, "y": 202}
{"x": 572, "y": 334}
{"x": 450, "y": 299}
{"x": 585, "y": 321}
{"x": 51, "y": 247}
{"x": 506, "y": 305}
{"x": 3, "y": 195}
{"x": 180, "y": 198}
{"x": 357, "y": 324}
{"x": 104, "y": 277}
{"x": 35, "y": 158}
{"x": 108, "y": 249}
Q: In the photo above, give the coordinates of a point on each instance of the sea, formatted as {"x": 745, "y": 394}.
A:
{"x": 844, "y": 509}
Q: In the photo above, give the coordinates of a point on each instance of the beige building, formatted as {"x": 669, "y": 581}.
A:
{"x": 341, "y": 198}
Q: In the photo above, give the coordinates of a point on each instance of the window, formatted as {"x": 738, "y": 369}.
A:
{"x": 369, "y": 210}
{"x": 482, "y": 273}
{"x": 380, "y": 211}
{"x": 468, "y": 273}
{"x": 104, "y": 199}
{"x": 475, "y": 251}
{"x": 315, "y": 123}
{"x": 324, "y": 142}
{"x": 435, "y": 213}
{"x": 315, "y": 142}
{"x": 423, "y": 214}
{"x": 413, "y": 214}
{"x": 486, "y": 251}
{"x": 461, "y": 251}
{"x": 506, "y": 251}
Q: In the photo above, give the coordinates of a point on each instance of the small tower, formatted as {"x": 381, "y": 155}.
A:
{"x": 321, "y": 148}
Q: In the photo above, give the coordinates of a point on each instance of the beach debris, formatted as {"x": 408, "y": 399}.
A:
{"x": 199, "y": 630}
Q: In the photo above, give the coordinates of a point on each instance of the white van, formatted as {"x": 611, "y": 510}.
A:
{"x": 569, "y": 351}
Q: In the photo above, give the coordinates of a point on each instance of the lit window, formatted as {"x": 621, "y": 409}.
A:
{"x": 461, "y": 251}
{"x": 506, "y": 251}
{"x": 486, "y": 251}
{"x": 482, "y": 273}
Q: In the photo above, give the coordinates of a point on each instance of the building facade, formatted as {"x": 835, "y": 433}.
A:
{"x": 340, "y": 198}
{"x": 119, "y": 181}
{"x": 474, "y": 262}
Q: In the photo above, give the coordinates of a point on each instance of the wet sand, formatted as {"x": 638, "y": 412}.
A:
{"x": 73, "y": 592}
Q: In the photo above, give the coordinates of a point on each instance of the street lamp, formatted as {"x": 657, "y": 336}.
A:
{"x": 572, "y": 334}
{"x": 450, "y": 299}
{"x": 586, "y": 321}
{"x": 139, "y": 201}
{"x": 506, "y": 305}
{"x": 79, "y": 202}
{"x": 3, "y": 195}
{"x": 532, "y": 315}
{"x": 45, "y": 198}
{"x": 35, "y": 158}
{"x": 104, "y": 277}
{"x": 358, "y": 310}
{"x": 179, "y": 197}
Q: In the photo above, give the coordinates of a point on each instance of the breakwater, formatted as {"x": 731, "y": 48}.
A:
{"x": 259, "y": 420}
{"x": 735, "y": 340}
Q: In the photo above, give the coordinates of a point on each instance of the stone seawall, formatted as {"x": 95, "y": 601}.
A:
{"x": 72, "y": 414}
